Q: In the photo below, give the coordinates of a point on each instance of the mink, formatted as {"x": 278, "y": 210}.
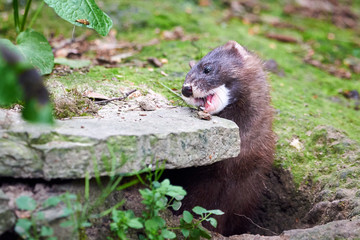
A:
{"x": 230, "y": 82}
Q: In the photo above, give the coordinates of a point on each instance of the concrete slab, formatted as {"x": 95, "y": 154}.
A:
{"x": 117, "y": 144}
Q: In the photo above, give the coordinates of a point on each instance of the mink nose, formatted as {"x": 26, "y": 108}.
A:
{"x": 187, "y": 91}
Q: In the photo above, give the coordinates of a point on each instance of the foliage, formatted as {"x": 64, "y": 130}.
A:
{"x": 122, "y": 221}
{"x": 157, "y": 197}
{"x": 80, "y": 211}
{"x": 21, "y": 83}
{"x": 35, "y": 227}
{"x": 34, "y": 47}
{"x": 192, "y": 229}
{"x": 10, "y": 89}
{"x": 155, "y": 201}
{"x": 74, "y": 11}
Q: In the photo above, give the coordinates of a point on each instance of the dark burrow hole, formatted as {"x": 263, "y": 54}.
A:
{"x": 286, "y": 207}
{"x": 282, "y": 207}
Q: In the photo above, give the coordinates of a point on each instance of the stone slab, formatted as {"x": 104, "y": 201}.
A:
{"x": 341, "y": 229}
{"x": 7, "y": 216}
{"x": 122, "y": 143}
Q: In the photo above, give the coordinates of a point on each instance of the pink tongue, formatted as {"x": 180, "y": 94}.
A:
{"x": 208, "y": 99}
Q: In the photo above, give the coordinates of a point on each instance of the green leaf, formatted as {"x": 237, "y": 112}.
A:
{"x": 87, "y": 10}
{"x": 195, "y": 233}
{"x": 180, "y": 197}
{"x": 26, "y": 203}
{"x": 176, "y": 191}
{"x": 52, "y": 201}
{"x": 142, "y": 237}
{"x": 46, "y": 231}
{"x": 212, "y": 221}
{"x": 23, "y": 226}
{"x": 9, "y": 45}
{"x": 66, "y": 224}
{"x": 78, "y": 63}
{"x": 35, "y": 48}
{"x": 216, "y": 212}
{"x": 40, "y": 216}
{"x": 176, "y": 205}
{"x": 154, "y": 223}
{"x": 199, "y": 210}
{"x": 204, "y": 233}
{"x": 187, "y": 216}
{"x": 67, "y": 212}
{"x": 185, "y": 232}
{"x": 85, "y": 224}
{"x": 168, "y": 234}
{"x": 36, "y": 112}
{"x": 10, "y": 89}
{"x": 70, "y": 196}
{"x": 156, "y": 184}
{"x": 135, "y": 223}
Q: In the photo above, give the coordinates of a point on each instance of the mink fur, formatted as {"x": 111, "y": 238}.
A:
{"x": 233, "y": 185}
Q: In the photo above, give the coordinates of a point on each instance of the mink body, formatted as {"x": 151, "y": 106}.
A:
{"x": 230, "y": 82}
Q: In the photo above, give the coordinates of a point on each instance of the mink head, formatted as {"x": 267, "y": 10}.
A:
{"x": 216, "y": 81}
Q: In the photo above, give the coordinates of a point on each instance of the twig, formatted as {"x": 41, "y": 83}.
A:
{"x": 73, "y": 35}
{"x": 258, "y": 226}
{"x": 178, "y": 95}
{"x": 170, "y": 89}
{"x": 117, "y": 98}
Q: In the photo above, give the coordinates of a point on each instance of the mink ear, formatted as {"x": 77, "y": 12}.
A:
{"x": 192, "y": 63}
{"x": 234, "y": 46}
{"x": 231, "y": 44}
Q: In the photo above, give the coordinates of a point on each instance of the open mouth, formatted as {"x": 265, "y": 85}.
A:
{"x": 212, "y": 101}
{"x": 205, "y": 103}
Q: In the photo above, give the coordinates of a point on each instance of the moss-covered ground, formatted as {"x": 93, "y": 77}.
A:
{"x": 304, "y": 98}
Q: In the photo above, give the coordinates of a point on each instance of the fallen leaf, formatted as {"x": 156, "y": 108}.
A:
{"x": 23, "y": 214}
{"x": 164, "y": 74}
{"x": 295, "y": 143}
{"x": 72, "y": 63}
{"x": 155, "y": 62}
{"x": 204, "y": 3}
{"x": 164, "y": 61}
{"x": 118, "y": 57}
{"x": 350, "y": 94}
{"x": 281, "y": 38}
{"x": 95, "y": 96}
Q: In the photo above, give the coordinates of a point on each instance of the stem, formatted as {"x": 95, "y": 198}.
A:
{"x": 34, "y": 228}
{"x": 27, "y": 8}
{"x": 203, "y": 219}
{"x": 16, "y": 15}
{"x": 36, "y": 14}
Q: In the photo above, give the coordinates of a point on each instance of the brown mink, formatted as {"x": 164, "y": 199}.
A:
{"x": 230, "y": 82}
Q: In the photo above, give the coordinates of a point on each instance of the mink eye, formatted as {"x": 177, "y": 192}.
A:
{"x": 207, "y": 69}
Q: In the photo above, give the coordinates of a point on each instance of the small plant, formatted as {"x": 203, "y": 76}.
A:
{"x": 79, "y": 211}
{"x": 122, "y": 221}
{"x": 157, "y": 197}
{"x": 34, "y": 227}
{"x": 191, "y": 228}
{"x": 155, "y": 200}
